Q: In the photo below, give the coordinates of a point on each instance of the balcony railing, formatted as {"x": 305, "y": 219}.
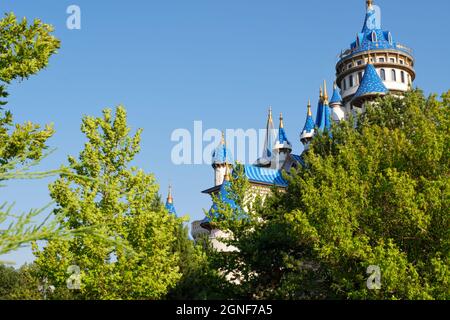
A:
{"x": 374, "y": 46}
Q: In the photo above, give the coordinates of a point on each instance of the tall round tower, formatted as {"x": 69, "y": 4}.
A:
{"x": 393, "y": 62}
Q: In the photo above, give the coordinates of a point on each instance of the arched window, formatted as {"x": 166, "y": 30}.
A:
{"x": 403, "y": 76}
{"x": 374, "y": 36}
{"x": 383, "y": 74}
{"x": 351, "y": 81}
{"x": 360, "y": 76}
{"x": 390, "y": 38}
{"x": 394, "y": 75}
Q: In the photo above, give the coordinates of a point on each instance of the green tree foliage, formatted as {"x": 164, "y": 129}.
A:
{"x": 200, "y": 280}
{"x": 24, "y": 50}
{"x": 125, "y": 201}
{"x": 18, "y": 284}
{"x": 374, "y": 195}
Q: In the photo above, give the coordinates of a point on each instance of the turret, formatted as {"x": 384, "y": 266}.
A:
{"x": 337, "y": 108}
{"x": 309, "y": 129}
{"x": 373, "y": 45}
{"x": 282, "y": 148}
{"x": 169, "y": 202}
{"x": 221, "y": 161}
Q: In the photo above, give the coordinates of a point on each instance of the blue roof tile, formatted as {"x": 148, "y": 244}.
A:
{"x": 371, "y": 83}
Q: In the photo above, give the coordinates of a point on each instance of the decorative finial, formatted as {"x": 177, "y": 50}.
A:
{"x": 369, "y": 3}
{"x": 321, "y": 93}
{"x": 309, "y": 108}
{"x": 222, "y": 141}
{"x": 281, "y": 121}
{"x": 270, "y": 113}
{"x": 325, "y": 94}
{"x": 169, "y": 196}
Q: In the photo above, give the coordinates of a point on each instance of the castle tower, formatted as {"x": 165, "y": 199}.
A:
{"x": 221, "y": 161}
{"x": 169, "y": 203}
{"x": 392, "y": 61}
{"x": 336, "y": 105}
{"x": 309, "y": 129}
{"x": 282, "y": 148}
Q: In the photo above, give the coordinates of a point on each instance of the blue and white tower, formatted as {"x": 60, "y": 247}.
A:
{"x": 392, "y": 62}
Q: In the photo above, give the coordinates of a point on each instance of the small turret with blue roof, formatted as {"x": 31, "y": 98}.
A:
{"x": 221, "y": 161}
{"x": 309, "y": 129}
{"x": 169, "y": 203}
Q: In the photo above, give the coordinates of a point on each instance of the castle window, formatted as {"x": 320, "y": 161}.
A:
{"x": 351, "y": 81}
{"x": 374, "y": 36}
{"x": 392, "y": 60}
{"x": 390, "y": 38}
{"x": 382, "y": 60}
{"x": 383, "y": 74}
{"x": 394, "y": 75}
{"x": 402, "y": 62}
{"x": 359, "y": 62}
{"x": 349, "y": 66}
{"x": 344, "y": 84}
{"x": 403, "y": 76}
{"x": 360, "y": 76}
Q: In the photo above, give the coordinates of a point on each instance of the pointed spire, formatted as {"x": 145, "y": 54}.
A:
{"x": 281, "y": 121}
{"x": 169, "y": 203}
{"x": 325, "y": 92}
{"x": 169, "y": 195}
{"x": 222, "y": 141}
{"x": 308, "y": 131}
{"x": 336, "y": 98}
{"x": 268, "y": 142}
{"x": 321, "y": 93}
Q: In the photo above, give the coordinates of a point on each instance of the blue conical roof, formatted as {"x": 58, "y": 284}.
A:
{"x": 222, "y": 155}
{"x": 169, "y": 203}
{"x": 371, "y": 84}
{"x": 336, "y": 98}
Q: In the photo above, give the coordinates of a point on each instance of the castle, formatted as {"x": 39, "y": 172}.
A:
{"x": 374, "y": 65}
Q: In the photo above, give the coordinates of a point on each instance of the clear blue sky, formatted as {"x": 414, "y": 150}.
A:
{"x": 173, "y": 62}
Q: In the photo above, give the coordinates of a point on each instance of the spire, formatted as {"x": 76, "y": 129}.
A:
{"x": 320, "y": 110}
{"x": 325, "y": 94}
{"x": 269, "y": 141}
{"x": 336, "y": 98}
{"x": 221, "y": 155}
{"x": 369, "y": 4}
{"x": 282, "y": 136}
{"x": 169, "y": 196}
{"x": 169, "y": 203}
{"x": 308, "y": 131}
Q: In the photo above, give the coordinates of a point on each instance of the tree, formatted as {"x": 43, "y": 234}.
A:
{"x": 375, "y": 195}
{"x": 200, "y": 280}
{"x": 18, "y": 284}
{"x": 106, "y": 191}
{"x": 24, "y": 50}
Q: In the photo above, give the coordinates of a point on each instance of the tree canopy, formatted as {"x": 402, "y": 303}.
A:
{"x": 375, "y": 194}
